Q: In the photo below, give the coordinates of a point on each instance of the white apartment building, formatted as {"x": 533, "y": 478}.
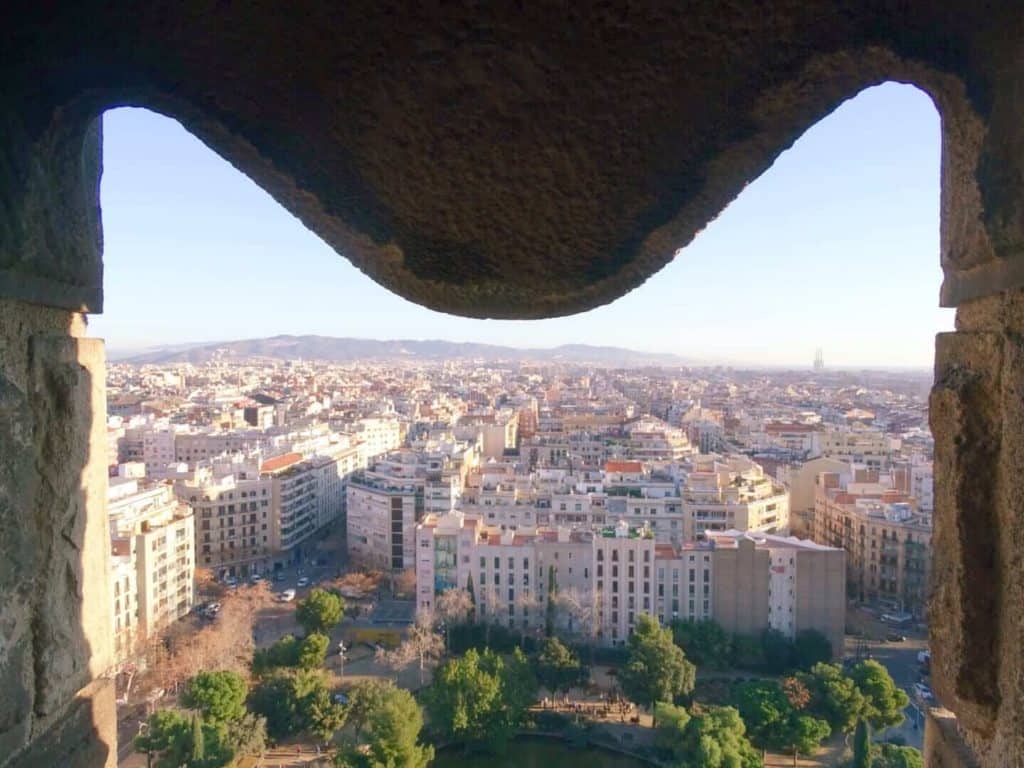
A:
{"x": 378, "y": 435}
{"x": 152, "y": 567}
{"x": 381, "y": 518}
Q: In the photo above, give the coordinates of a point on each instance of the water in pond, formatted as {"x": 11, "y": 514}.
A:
{"x": 530, "y": 753}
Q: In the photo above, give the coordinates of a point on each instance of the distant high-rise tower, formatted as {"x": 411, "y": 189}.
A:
{"x": 819, "y": 360}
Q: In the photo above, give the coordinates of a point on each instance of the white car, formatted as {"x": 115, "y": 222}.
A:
{"x": 923, "y": 692}
{"x": 287, "y": 596}
{"x": 303, "y": 581}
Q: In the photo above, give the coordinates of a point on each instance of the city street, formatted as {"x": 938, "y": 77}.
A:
{"x": 900, "y": 658}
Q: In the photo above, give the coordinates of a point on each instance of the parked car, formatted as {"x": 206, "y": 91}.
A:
{"x": 255, "y": 578}
{"x": 287, "y": 596}
{"x": 894, "y": 637}
{"x": 231, "y": 581}
{"x": 303, "y": 581}
{"x": 923, "y": 692}
{"x": 340, "y": 698}
{"x": 278, "y": 576}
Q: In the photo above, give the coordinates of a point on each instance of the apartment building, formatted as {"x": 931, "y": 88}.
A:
{"x": 602, "y": 578}
{"x": 382, "y": 513}
{"x": 886, "y": 536}
{"x": 232, "y": 502}
{"x": 152, "y": 565}
{"x": 732, "y": 493}
{"x": 863, "y": 446}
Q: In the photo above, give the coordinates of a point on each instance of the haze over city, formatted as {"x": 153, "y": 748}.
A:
{"x": 835, "y": 246}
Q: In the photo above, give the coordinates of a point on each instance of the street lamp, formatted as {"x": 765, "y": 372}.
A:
{"x": 341, "y": 658}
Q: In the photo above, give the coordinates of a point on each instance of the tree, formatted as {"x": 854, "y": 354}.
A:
{"x": 247, "y": 735}
{"x": 294, "y": 702}
{"x": 179, "y": 741}
{"x": 704, "y": 642}
{"x": 166, "y": 737}
{"x": 549, "y": 609}
{"x": 764, "y": 708}
{"x": 472, "y": 599}
{"x": 219, "y": 695}
{"x": 862, "y": 745}
{"x": 709, "y": 737}
{"x": 777, "y": 650}
{"x": 558, "y": 668}
{"x": 480, "y": 698}
{"x": 421, "y": 644}
{"x": 656, "y": 669}
{"x": 885, "y": 702}
{"x": 453, "y": 606}
{"x": 283, "y": 653}
{"x": 321, "y": 611}
{"x": 894, "y": 756}
{"x": 392, "y": 734}
{"x": 796, "y": 693}
{"x": 312, "y": 651}
{"x": 322, "y": 715}
{"x": 197, "y": 753}
{"x": 810, "y": 647}
{"x": 364, "y": 698}
{"x": 834, "y": 696}
{"x": 747, "y": 652}
{"x": 801, "y": 734}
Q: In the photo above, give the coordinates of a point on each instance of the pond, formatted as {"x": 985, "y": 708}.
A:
{"x": 535, "y": 753}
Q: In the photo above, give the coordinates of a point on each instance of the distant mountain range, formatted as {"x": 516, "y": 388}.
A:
{"x": 334, "y": 349}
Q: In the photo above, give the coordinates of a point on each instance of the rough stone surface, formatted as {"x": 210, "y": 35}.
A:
{"x": 54, "y": 600}
{"x": 944, "y": 747}
{"x": 977, "y": 619}
{"x": 85, "y": 736}
{"x": 491, "y": 160}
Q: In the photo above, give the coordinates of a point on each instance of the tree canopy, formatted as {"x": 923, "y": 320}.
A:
{"x": 775, "y": 722}
{"x": 389, "y": 737}
{"x": 558, "y": 668}
{"x": 885, "y": 701}
{"x": 706, "y": 737}
{"x": 656, "y": 668}
{"x": 321, "y": 611}
{"x": 481, "y": 698}
{"x": 219, "y": 695}
{"x": 176, "y": 740}
{"x": 705, "y": 643}
{"x": 297, "y": 702}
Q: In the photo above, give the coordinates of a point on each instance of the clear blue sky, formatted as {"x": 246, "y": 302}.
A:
{"x": 835, "y": 246}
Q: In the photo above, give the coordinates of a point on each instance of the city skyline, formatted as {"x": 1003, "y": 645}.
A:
{"x": 844, "y": 227}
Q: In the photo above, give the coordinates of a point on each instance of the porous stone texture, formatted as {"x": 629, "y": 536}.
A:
{"x": 944, "y": 747}
{"x": 494, "y": 160}
{"x": 55, "y": 629}
{"x": 977, "y": 606}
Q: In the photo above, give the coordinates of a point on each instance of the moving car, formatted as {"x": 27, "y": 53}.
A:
{"x": 287, "y": 596}
{"x": 303, "y": 581}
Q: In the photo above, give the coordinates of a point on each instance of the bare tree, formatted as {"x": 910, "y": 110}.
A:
{"x": 422, "y": 644}
{"x": 452, "y": 607}
{"x": 581, "y": 608}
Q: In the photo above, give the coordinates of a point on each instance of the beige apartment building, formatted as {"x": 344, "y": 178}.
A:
{"x": 605, "y": 577}
{"x": 868, "y": 447}
{"x": 152, "y": 564}
{"x": 886, "y": 537}
{"x": 732, "y": 493}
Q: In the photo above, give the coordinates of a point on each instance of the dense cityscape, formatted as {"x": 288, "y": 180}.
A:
{"x": 563, "y": 516}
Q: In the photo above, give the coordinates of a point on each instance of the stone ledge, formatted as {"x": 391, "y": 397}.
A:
{"x": 83, "y": 736}
{"x": 944, "y": 746}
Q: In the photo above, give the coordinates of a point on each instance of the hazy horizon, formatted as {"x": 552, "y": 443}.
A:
{"x": 835, "y": 246}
